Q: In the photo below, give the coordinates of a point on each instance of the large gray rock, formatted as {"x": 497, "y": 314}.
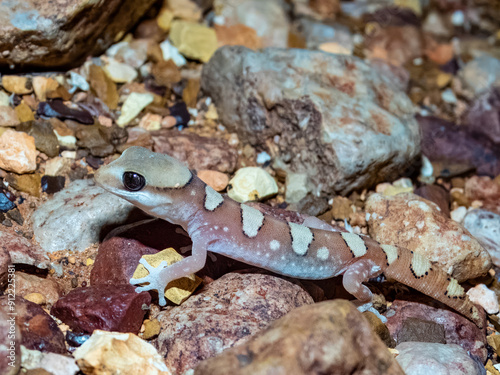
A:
{"x": 50, "y": 34}
{"x": 332, "y": 117}
{"x": 485, "y": 227}
{"x": 74, "y": 217}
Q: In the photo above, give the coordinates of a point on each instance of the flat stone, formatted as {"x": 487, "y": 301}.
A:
{"x": 196, "y": 151}
{"x": 119, "y": 72}
{"x": 28, "y": 183}
{"x": 193, "y": 40}
{"x": 37, "y": 362}
{"x": 408, "y": 221}
{"x": 8, "y": 116}
{"x": 61, "y": 34}
{"x": 355, "y": 125}
{"x": 38, "y": 330}
{"x": 45, "y": 139}
{"x": 107, "y": 307}
{"x": 216, "y": 180}
{"x": 436, "y": 194}
{"x": 22, "y": 250}
{"x": 17, "y": 152}
{"x": 484, "y": 297}
{"x": 335, "y": 336}
{"x": 30, "y": 284}
{"x": 44, "y": 86}
{"x": 83, "y": 207}
{"x": 132, "y": 106}
{"x": 24, "y": 113}
{"x": 104, "y": 86}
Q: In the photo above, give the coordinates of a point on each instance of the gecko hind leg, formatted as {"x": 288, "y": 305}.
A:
{"x": 356, "y": 274}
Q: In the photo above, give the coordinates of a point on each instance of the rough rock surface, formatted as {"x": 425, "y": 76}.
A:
{"x": 108, "y": 307}
{"x": 49, "y": 288}
{"x": 47, "y": 363}
{"x": 83, "y": 207}
{"x": 457, "y": 329}
{"x": 38, "y": 33}
{"x": 22, "y": 250}
{"x": 417, "y": 224}
{"x": 225, "y": 313}
{"x": 486, "y": 190}
{"x": 325, "y": 338}
{"x": 197, "y": 152}
{"x": 38, "y": 330}
{"x": 483, "y": 115}
{"x": 351, "y": 126}
{"x": 419, "y": 358}
{"x": 485, "y": 227}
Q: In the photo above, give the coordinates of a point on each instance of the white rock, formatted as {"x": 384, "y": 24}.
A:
{"x": 485, "y": 227}
{"x": 119, "y": 72}
{"x": 73, "y": 218}
{"x": 458, "y": 214}
{"x": 484, "y": 297}
{"x": 448, "y": 96}
{"x": 132, "y": 106}
{"x": 52, "y": 363}
{"x": 17, "y": 152}
{"x": 297, "y": 187}
{"x": 78, "y": 81}
{"x": 57, "y": 166}
{"x": 251, "y": 184}
{"x": 481, "y": 74}
{"x": 171, "y": 52}
{"x": 119, "y": 353}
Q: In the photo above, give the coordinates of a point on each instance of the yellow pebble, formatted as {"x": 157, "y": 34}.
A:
{"x": 151, "y": 329}
{"x": 37, "y": 298}
{"x": 90, "y": 262}
{"x": 72, "y": 259}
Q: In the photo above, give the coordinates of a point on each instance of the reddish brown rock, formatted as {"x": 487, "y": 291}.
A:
{"x": 22, "y": 250}
{"x": 412, "y": 222}
{"x": 325, "y": 338}
{"x": 457, "y": 329}
{"x": 483, "y": 116}
{"x": 486, "y": 190}
{"x": 107, "y": 307}
{"x": 225, "y": 313}
{"x": 49, "y": 288}
{"x": 436, "y": 194}
{"x": 10, "y": 345}
{"x": 38, "y": 330}
{"x": 59, "y": 34}
{"x": 447, "y": 143}
{"x": 198, "y": 152}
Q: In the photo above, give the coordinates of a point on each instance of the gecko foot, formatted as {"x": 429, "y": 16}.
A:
{"x": 155, "y": 280}
{"x": 362, "y": 307}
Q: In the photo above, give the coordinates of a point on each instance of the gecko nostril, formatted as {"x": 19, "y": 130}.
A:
{"x": 133, "y": 181}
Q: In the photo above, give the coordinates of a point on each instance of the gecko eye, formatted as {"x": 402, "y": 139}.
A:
{"x": 133, "y": 181}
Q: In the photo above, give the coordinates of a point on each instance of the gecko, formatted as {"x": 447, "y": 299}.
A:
{"x": 165, "y": 188}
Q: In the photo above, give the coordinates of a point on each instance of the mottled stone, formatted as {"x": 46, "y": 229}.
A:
{"x": 485, "y": 227}
{"x": 481, "y": 73}
{"x": 29, "y": 284}
{"x": 457, "y": 329}
{"x": 225, "y": 313}
{"x": 486, "y": 298}
{"x": 83, "y": 207}
{"x": 20, "y": 85}
{"x": 419, "y": 358}
{"x": 351, "y": 126}
{"x": 50, "y": 35}
{"x": 197, "y": 152}
{"x": 109, "y": 307}
{"x": 484, "y": 189}
{"x": 40, "y": 363}
{"x": 8, "y": 116}
{"x": 56, "y": 108}
{"x": 45, "y": 139}
{"x": 17, "y": 152}
{"x": 38, "y": 330}
{"x": 324, "y": 338}
{"x": 483, "y": 116}
{"x": 409, "y": 221}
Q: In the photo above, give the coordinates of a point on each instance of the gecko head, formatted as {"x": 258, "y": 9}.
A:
{"x": 143, "y": 177}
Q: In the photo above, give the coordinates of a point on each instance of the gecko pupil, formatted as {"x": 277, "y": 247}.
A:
{"x": 133, "y": 181}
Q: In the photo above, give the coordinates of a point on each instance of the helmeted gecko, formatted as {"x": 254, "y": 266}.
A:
{"x": 163, "y": 187}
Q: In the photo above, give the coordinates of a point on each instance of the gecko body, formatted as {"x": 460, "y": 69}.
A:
{"x": 163, "y": 187}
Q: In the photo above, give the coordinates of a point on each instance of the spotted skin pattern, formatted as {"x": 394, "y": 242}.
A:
{"x": 219, "y": 224}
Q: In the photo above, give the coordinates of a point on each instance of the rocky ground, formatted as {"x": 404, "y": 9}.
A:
{"x": 381, "y": 118}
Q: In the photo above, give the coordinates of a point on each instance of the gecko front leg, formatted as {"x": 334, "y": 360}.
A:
{"x": 159, "y": 277}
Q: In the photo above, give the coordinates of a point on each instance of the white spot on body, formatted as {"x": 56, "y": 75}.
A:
{"x": 212, "y": 199}
{"x": 274, "y": 245}
{"x": 225, "y": 229}
{"x": 193, "y": 192}
{"x": 252, "y": 220}
{"x": 454, "y": 289}
{"x": 391, "y": 252}
{"x": 355, "y": 243}
{"x": 419, "y": 264}
{"x": 301, "y": 238}
{"x": 323, "y": 253}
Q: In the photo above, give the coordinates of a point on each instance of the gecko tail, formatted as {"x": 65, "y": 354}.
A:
{"x": 416, "y": 271}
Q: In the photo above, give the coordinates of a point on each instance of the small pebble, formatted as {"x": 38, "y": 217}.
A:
{"x": 132, "y": 106}
{"x": 172, "y": 53}
{"x": 215, "y": 179}
{"x": 484, "y": 297}
{"x": 251, "y": 184}
{"x": 151, "y": 329}
{"x": 150, "y": 122}
{"x": 17, "y": 84}
{"x": 119, "y": 72}
{"x": 37, "y": 298}
{"x": 168, "y": 122}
